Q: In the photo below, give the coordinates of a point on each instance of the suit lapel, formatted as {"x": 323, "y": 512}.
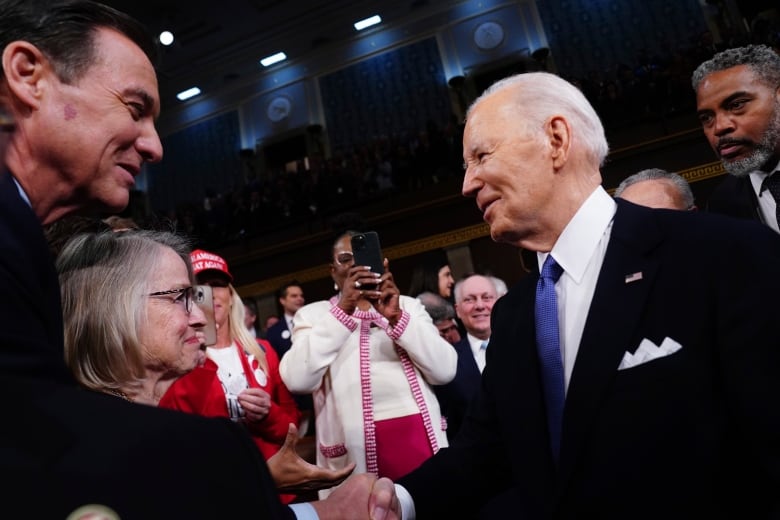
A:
{"x": 622, "y": 289}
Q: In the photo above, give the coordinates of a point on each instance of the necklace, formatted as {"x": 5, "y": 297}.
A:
{"x": 118, "y": 393}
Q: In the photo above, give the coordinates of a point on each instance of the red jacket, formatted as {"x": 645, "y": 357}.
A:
{"x": 200, "y": 392}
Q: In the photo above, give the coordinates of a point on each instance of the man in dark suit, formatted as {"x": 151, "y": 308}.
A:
{"x": 474, "y": 299}
{"x": 659, "y": 398}
{"x": 738, "y": 102}
{"x": 79, "y": 84}
{"x": 290, "y": 297}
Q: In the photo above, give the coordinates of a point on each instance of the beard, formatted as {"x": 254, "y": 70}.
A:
{"x": 763, "y": 152}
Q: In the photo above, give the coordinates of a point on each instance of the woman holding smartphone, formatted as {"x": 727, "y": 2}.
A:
{"x": 369, "y": 355}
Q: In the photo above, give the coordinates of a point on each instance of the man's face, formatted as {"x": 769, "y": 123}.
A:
{"x": 292, "y": 300}
{"x": 740, "y": 117}
{"x": 100, "y": 130}
{"x": 477, "y": 295}
{"x": 448, "y": 330}
{"x": 506, "y": 170}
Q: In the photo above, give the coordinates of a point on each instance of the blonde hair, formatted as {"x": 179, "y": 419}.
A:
{"x": 239, "y": 333}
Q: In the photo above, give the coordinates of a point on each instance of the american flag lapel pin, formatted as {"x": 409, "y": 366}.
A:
{"x": 633, "y": 277}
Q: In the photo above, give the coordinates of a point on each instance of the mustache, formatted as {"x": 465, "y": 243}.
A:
{"x": 726, "y": 141}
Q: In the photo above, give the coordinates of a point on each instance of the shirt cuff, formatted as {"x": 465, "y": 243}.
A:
{"x": 407, "y": 504}
{"x": 306, "y": 511}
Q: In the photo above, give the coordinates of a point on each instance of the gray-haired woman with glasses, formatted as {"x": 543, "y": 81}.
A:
{"x": 130, "y": 326}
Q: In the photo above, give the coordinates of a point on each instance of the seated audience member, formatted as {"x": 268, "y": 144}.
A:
{"x": 148, "y": 346}
{"x": 240, "y": 377}
{"x": 369, "y": 356}
{"x": 443, "y": 315}
{"x": 656, "y": 188}
{"x": 474, "y": 299}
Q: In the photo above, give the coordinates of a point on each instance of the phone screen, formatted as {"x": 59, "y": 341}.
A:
{"x": 205, "y": 300}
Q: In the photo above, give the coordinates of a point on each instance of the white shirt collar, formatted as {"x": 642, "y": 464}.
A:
{"x": 577, "y": 243}
{"x": 21, "y": 192}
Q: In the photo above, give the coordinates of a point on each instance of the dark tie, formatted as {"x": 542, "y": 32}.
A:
{"x": 772, "y": 183}
{"x": 549, "y": 350}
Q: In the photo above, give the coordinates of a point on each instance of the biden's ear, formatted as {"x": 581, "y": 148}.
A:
{"x": 559, "y": 136}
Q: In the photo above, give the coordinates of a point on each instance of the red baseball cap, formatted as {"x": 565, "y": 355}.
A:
{"x": 205, "y": 261}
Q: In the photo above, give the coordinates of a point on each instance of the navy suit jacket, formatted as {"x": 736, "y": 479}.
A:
{"x": 455, "y": 396}
{"x": 274, "y": 336}
{"x": 63, "y": 447}
{"x": 690, "y": 435}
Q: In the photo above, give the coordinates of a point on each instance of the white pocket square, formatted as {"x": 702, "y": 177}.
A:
{"x": 649, "y": 351}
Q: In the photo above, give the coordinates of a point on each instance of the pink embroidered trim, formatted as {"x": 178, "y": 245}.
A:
{"x": 344, "y": 318}
{"x": 414, "y": 384}
{"x": 368, "y": 399}
{"x": 331, "y": 452}
{"x": 399, "y": 328}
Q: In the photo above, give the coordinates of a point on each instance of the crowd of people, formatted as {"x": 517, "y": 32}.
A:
{"x": 641, "y": 351}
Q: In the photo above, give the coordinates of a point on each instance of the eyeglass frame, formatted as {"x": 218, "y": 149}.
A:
{"x": 187, "y": 292}
{"x": 351, "y": 257}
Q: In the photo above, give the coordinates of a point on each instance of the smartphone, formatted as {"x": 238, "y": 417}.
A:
{"x": 205, "y": 300}
{"x": 366, "y": 251}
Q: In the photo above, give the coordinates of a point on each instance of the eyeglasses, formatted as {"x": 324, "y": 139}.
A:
{"x": 184, "y": 296}
{"x": 344, "y": 257}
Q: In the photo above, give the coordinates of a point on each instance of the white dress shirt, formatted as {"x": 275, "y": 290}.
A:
{"x": 766, "y": 202}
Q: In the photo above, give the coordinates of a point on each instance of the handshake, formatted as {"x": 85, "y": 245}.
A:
{"x": 361, "y": 496}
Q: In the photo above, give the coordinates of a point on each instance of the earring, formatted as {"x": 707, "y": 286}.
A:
{"x": 335, "y": 287}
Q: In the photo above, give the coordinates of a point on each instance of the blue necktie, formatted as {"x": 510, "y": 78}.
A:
{"x": 549, "y": 350}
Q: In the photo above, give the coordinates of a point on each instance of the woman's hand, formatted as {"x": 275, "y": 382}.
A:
{"x": 256, "y": 403}
{"x": 387, "y": 303}
{"x": 355, "y": 289}
{"x": 292, "y": 474}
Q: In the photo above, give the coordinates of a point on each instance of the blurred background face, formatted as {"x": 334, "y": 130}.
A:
{"x": 446, "y": 281}
{"x": 292, "y": 299}
{"x": 169, "y": 338}
{"x": 448, "y": 330}
{"x": 342, "y": 260}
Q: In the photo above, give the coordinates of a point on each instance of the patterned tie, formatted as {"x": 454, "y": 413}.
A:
{"x": 549, "y": 350}
{"x": 772, "y": 183}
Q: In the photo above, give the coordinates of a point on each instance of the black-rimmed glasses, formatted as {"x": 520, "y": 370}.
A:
{"x": 184, "y": 296}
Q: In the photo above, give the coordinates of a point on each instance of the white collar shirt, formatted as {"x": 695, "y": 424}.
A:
{"x": 766, "y": 202}
{"x": 476, "y": 348}
{"x": 580, "y": 251}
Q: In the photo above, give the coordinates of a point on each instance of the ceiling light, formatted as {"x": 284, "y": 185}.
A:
{"x": 368, "y": 22}
{"x": 187, "y": 94}
{"x": 275, "y": 58}
{"x": 166, "y": 38}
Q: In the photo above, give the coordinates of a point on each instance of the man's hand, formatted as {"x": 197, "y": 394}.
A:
{"x": 292, "y": 474}
{"x": 361, "y": 497}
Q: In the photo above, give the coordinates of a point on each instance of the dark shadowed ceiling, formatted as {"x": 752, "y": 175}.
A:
{"x": 221, "y": 41}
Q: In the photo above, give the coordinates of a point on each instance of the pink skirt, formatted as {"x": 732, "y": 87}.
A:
{"x": 402, "y": 444}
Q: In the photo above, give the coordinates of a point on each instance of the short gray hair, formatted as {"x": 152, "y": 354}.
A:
{"x": 652, "y": 174}
{"x": 761, "y": 59}
{"x": 438, "y": 308}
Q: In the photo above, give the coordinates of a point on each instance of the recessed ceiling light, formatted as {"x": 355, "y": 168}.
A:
{"x": 187, "y": 94}
{"x": 166, "y": 38}
{"x": 368, "y": 22}
{"x": 274, "y": 58}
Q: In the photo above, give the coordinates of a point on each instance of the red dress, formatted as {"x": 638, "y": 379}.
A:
{"x": 201, "y": 392}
